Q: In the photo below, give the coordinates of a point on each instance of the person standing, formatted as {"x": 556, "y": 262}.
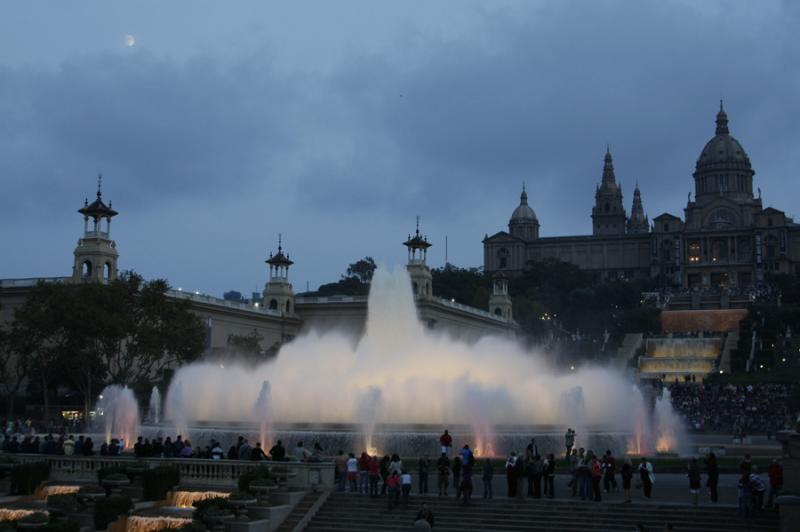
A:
{"x": 758, "y": 488}
{"x": 712, "y": 470}
{"x": 627, "y": 475}
{"x": 572, "y": 462}
{"x": 584, "y": 476}
{"x": 488, "y": 476}
{"x": 443, "y": 469}
{"x": 550, "y": 476}
{"x": 405, "y": 484}
{"x": 393, "y": 490}
{"x": 511, "y": 475}
{"x": 363, "y": 473}
{"x": 352, "y": 473}
{"x": 385, "y": 472}
{"x": 466, "y": 482}
{"x": 534, "y": 470}
{"x": 609, "y": 472}
{"x": 457, "y": 475}
{"x": 374, "y": 476}
{"x": 340, "y": 469}
{"x": 424, "y": 466}
{"x": 569, "y": 442}
{"x": 519, "y": 474}
{"x": 597, "y": 473}
{"x": 775, "y": 473}
{"x": 446, "y": 442}
{"x": 694, "y": 481}
{"x": 647, "y": 476}
{"x": 745, "y": 496}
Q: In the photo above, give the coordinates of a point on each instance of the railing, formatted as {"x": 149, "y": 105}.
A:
{"x": 211, "y": 300}
{"x": 31, "y": 281}
{"x": 96, "y": 234}
{"x": 193, "y": 472}
{"x": 307, "y": 300}
{"x": 471, "y": 310}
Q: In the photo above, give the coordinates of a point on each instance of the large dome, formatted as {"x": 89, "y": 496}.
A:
{"x": 723, "y": 152}
{"x": 523, "y": 212}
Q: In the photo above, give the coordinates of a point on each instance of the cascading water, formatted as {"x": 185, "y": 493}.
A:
{"x": 155, "y": 406}
{"x": 369, "y": 406}
{"x": 263, "y": 414}
{"x": 120, "y": 414}
{"x": 176, "y": 409}
{"x": 423, "y": 376}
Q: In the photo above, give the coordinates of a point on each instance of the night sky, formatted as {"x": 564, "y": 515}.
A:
{"x": 218, "y": 125}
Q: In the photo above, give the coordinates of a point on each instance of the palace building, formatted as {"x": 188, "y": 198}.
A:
{"x": 726, "y": 237}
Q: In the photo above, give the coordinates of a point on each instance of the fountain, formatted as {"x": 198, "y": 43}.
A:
{"x": 368, "y": 408}
{"x": 400, "y": 384}
{"x": 155, "y": 406}
{"x": 185, "y": 499}
{"x": 263, "y": 414}
{"x": 119, "y": 412}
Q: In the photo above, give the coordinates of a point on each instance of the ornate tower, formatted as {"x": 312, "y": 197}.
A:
{"x": 523, "y": 222}
{"x": 278, "y": 293}
{"x": 500, "y": 301}
{"x": 608, "y": 214}
{"x": 96, "y": 254}
{"x": 723, "y": 168}
{"x": 421, "y": 278}
{"x": 638, "y": 222}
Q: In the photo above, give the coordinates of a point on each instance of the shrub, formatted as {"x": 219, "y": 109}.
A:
{"x": 109, "y": 509}
{"x": 259, "y": 473}
{"x": 25, "y": 478}
{"x": 194, "y": 526}
{"x": 158, "y": 481}
{"x": 208, "y": 511}
{"x": 63, "y": 502}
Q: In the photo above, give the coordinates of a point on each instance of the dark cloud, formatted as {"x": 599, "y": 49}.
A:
{"x": 445, "y": 128}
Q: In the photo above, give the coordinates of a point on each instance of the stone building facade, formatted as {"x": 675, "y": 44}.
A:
{"x": 726, "y": 237}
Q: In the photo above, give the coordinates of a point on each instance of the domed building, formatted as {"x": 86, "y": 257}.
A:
{"x": 725, "y": 239}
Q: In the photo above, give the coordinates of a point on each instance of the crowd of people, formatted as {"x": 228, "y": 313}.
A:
{"x": 737, "y": 410}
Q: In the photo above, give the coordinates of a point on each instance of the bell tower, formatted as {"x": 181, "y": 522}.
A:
{"x": 421, "y": 278}
{"x": 96, "y": 254}
{"x": 608, "y": 214}
{"x": 278, "y": 292}
{"x": 500, "y": 301}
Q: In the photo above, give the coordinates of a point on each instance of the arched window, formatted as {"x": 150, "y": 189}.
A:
{"x": 273, "y": 304}
{"x": 607, "y": 207}
{"x": 107, "y": 271}
{"x": 288, "y": 306}
{"x": 414, "y": 287}
{"x": 427, "y": 289}
{"x": 86, "y": 271}
{"x": 498, "y": 312}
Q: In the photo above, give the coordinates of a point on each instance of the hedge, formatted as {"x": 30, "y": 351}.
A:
{"x": 158, "y": 481}
{"x": 108, "y": 509}
{"x": 25, "y": 478}
{"x": 259, "y": 473}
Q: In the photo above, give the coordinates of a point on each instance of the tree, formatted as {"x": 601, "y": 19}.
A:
{"x": 125, "y": 332}
{"x": 362, "y": 270}
{"x": 14, "y": 366}
{"x": 248, "y": 345}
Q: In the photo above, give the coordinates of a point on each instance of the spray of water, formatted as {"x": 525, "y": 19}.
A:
{"x": 262, "y": 412}
{"x": 120, "y": 414}
{"x": 155, "y": 406}
{"x": 370, "y": 402}
{"x": 423, "y": 377}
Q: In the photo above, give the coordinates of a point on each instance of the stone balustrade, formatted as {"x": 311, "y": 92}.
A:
{"x": 194, "y": 472}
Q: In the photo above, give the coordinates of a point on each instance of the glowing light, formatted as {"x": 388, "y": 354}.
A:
{"x": 130, "y": 40}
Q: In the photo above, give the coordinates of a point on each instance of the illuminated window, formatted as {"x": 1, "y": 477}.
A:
{"x": 694, "y": 251}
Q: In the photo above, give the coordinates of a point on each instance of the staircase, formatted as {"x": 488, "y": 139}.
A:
{"x": 342, "y": 512}
{"x": 299, "y": 515}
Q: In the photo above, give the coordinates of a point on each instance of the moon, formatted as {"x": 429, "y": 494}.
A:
{"x": 129, "y": 40}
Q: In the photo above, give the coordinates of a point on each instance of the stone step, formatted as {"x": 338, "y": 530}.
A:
{"x": 298, "y": 512}
{"x": 342, "y": 512}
